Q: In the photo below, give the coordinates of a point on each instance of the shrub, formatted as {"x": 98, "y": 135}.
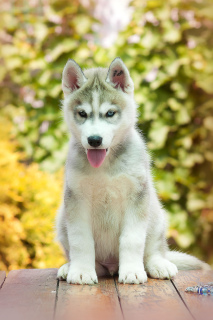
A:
{"x": 28, "y": 202}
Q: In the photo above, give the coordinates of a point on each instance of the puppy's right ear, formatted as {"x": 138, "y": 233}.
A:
{"x": 72, "y": 78}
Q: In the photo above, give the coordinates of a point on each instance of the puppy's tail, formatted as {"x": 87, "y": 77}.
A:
{"x": 184, "y": 261}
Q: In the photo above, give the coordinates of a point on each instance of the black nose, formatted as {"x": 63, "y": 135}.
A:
{"x": 95, "y": 141}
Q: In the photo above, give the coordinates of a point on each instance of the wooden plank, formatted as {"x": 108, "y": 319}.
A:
{"x": 28, "y": 294}
{"x": 200, "y": 306}
{"x": 88, "y": 302}
{"x": 2, "y": 278}
{"x": 156, "y": 299}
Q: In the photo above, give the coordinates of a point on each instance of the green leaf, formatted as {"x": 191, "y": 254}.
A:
{"x": 158, "y": 135}
{"x": 67, "y": 45}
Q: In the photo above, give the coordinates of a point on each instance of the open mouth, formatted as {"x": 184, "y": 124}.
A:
{"x": 96, "y": 156}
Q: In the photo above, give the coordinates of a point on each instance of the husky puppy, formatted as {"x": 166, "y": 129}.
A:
{"x": 111, "y": 220}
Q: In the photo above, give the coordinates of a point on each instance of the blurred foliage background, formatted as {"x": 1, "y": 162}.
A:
{"x": 167, "y": 45}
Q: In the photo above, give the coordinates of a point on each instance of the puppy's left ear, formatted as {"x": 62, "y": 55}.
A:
{"x": 118, "y": 76}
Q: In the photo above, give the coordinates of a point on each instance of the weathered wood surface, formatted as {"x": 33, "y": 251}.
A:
{"x": 156, "y": 299}
{"x": 2, "y": 278}
{"x": 28, "y": 294}
{"x": 38, "y": 295}
{"x": 201, "y": 307}
{"x": 88, "y": 302}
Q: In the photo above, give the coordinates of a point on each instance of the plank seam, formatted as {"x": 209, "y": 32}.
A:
{"x": 3, "y": 282}
{"x": 56, "y": 299}
{"x": 182, "y": 299}
{"x": 119, "y": 300}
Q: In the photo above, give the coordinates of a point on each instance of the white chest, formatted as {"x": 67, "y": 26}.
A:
{"x": 103, "y": 192}
{"x": 107, "y": 198}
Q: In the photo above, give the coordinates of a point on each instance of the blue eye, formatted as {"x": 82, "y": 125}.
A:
{"x": 82, "y": 114}
{"x": 110, "y": 114}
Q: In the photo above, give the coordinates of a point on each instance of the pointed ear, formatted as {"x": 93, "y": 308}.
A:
{"x": 118, "y": 76}
{"x": 72, "y": 78}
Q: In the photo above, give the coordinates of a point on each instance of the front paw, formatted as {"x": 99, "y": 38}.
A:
{"x": 132, "y": 274}
{"x": 63, "y": 272}
{"x": 79, "y": 275}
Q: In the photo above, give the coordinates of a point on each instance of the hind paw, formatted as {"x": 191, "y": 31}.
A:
{"x": 160, "y": 268}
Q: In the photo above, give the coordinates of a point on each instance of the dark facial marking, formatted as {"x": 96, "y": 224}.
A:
{"x": 77, "y": 117}
{"x": 91, "y": 115}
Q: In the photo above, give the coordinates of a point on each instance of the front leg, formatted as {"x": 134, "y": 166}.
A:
{"x": 132, "y": 243}
{"x": 81, "y": 268}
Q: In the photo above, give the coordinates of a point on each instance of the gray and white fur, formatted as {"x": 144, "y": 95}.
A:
{"x": 110, "y": 220}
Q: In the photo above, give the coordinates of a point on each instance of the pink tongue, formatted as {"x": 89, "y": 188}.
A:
{"x": 96, "y": 157}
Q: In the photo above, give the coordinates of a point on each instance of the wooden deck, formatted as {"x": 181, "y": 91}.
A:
{"x": 37, "y": 295}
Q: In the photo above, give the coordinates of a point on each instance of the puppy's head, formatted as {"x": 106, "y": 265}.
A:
{"x": 99, "y": 107}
